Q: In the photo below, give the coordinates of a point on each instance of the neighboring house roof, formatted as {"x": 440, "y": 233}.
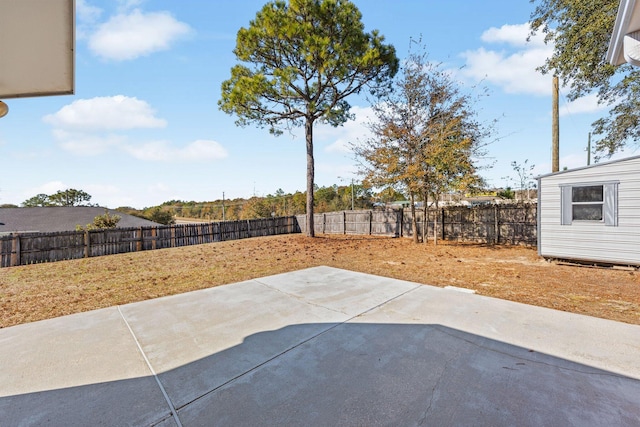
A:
{"x": 480, "y": 200}
{"x": 52, "y": 219}
{"x": 625, "y": 39}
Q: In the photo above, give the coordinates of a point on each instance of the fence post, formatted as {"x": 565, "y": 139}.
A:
{"x": 496, "y": 231}
{"x": 370, "y": 222}
{"x": 344, "y": 222}
{"x": 15, "y": 251}
{"x": 139, "y": 244}
{"x": 324, "y": 223}
{"x": 87, "y": 244}
{"x": 154, "y": 237}
{"x": 442, "y": 225}
{"x": 425, "y": 230}
{"x": 173, "y": 236}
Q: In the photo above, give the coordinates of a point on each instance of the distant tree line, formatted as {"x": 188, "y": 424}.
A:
{"x": 333, "y": 198}
{"x": 327, "y": 199}
{"x": 68, "y": 197}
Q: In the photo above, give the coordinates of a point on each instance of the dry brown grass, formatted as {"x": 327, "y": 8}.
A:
{"x": 42, "y": 291}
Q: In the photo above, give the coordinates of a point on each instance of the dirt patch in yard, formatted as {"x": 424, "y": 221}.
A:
{"x": 36, "y": 292}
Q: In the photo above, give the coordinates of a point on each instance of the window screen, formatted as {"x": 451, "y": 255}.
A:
{"x": 587, "y": 203}
{"x": 591, "y": 193}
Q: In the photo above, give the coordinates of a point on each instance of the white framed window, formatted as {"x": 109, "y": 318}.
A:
{"x": 590, "y": 202}
{"x": 587, "y": 203}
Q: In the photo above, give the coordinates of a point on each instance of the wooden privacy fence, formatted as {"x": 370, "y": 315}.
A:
{"x": 376, "y": 222}
{"x": 494, "y": 224}
{"x": 29, "y": 248}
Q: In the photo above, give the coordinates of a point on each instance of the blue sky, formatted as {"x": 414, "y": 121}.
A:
{"x": 143, "y": 126}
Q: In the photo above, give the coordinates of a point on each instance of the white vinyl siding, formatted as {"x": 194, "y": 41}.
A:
{"x": 614, "y": 239}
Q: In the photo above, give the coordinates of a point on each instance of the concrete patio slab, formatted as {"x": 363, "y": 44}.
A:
{"x": 206, "y": 329}
{"x": 601, "y": 343}
{"x": 339, "y": 290}
{"x": 321, "y": 346}
{"x": 76, "y": 368}
{"x": 362, "y": 374}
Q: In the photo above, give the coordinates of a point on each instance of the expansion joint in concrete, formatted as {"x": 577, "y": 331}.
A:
{"x": 153, "y": 372}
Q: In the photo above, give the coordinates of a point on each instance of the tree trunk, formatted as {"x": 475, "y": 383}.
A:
{"x": 414, "y": 220}
{"x": 308, "y": 130}
{"x": 425, "y": 213}
{"x": 435, "y": 223}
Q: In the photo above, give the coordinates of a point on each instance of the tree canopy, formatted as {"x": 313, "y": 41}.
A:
{"x": 299, "y": 62}
{"x": 580, "y": 31}
{"x": 68, "y": 197}
{"x": 39, "y": 200}
{"x": 101, "y": 222}
{"x": 425, "y": 137}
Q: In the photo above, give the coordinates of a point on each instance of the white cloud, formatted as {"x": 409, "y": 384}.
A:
{"x": 514, "y": 69}
{"x": 586, "y": 104}
{"x": 200, "y": 150}
{"x": 87, "y": 13}
{"x": 515, "y": 73}
{"x": 342, "y": 136}
{"x": 91, "y": 127}
{"x": 514, "y": 35}
{"x": 130, "y": 35}
{"x": 124, "y": 5}
{"x": 50, "y": 187}
{"x": 87, "y": 16}
{"x": 105, "y": 113}
{"x": 87, "y": 144}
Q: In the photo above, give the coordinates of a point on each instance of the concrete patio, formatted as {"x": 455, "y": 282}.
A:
{"x": 323, "y": 347}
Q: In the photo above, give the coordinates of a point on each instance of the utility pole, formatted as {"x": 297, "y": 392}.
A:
{"x": 223, "y": 216}
{"x": 555, "y": 128}
{"x": 351, "y": 193}
{"x": 589, "y": 150}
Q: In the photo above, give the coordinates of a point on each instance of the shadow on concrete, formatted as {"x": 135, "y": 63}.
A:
{"x": 351, "y": 374}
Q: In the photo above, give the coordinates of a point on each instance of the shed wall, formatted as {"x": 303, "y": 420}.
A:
{"x": 590, "y": 241}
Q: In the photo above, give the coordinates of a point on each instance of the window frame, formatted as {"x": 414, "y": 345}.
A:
{"x": 599, "y": 203}
{"x": 609, "y": 203}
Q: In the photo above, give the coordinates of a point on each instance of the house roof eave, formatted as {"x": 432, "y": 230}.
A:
{"x": 624, "y": 46}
